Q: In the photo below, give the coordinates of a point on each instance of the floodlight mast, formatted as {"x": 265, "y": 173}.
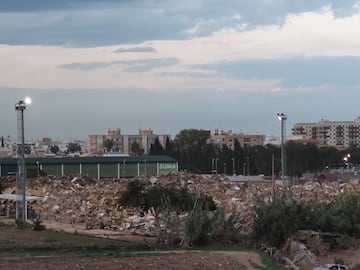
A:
{"x": 21, "y": 208}
{"x": 282, "y": 117}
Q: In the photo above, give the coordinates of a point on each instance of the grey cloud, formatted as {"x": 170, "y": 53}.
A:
{"x": 295, "y": 72}
{"x": 191, "y": 74}
{"x": 131, "y": 66}
{"x": 87, "y": 23}
{"x": 146, "y": 65}
{"x": 136, "y": 49}
{"x": 86, "y": 66}
{"x": 46, "y": 5}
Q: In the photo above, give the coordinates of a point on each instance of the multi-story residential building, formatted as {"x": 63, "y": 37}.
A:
{"x": 340, "y": 134}
{"x": 228, "y": 138}
{"x": 123, "y": 143}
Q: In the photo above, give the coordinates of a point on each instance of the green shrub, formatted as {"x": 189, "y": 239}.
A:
{"x": 202, "y": 227}
{"x": 177, "y": 199}
{"x": 198, "y": 227}
{"x": 38, "y": 225}
{"x": 276, "y": 220}
{"x": 225, "y": 229}
{"x": 20, "y": 224}
{"x": 134, "y": 195}
{"x": 347, "y": 215}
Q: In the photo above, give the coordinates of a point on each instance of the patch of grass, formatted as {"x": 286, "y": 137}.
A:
{"x": 267, "y": 261}
{"x": 240, "y": 266}
{"x": 67, "y": 240}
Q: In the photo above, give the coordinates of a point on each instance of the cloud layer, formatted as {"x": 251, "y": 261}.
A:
{"x": 235, "y": 52}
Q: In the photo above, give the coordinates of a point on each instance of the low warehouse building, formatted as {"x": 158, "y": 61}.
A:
{"x": 98, "y": 167}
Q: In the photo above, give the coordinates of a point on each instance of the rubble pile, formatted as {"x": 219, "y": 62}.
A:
{"x": 303, "y": 248}
{"x": 96, "y": 202}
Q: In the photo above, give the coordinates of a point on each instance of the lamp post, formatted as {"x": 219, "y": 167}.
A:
{"x": 38, "y": 168}
{"x": 20, "y": 107}
{"x": 248, "y": 165}
{"x": 282, "y": 117}
{"x": 216, "y": 165}
{"x": 124, "y": 172}
{"x": 224, "y": 168}
{"x": 233, "y": 165}
{"x": 145, "y": 168}
{"x": 212, "y": 166}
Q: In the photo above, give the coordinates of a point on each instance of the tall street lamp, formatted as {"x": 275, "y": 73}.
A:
{"x": 282, "y": 117}
{"x": 233, "y": 165}
{"x": 144, "y": 168}
{"x": 248, "y": 165}
{"x": 216, "y": 165}
{"x": 20, "y": 107}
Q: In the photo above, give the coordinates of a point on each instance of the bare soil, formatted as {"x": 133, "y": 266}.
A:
{"x": 14, "y": 255}
{"x": 12, "y": 240}
{"x": 187, "y": 260}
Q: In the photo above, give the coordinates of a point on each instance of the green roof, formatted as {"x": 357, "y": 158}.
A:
{"x": 91, "y": 160}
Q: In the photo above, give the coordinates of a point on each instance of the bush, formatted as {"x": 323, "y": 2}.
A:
{"x": 347, "y": 215}
{"x": 133, "y": 196}
{"x": 20, "y": 224}
{"x": 198, "y": 227}
{"x": 137, "y": 195}
{"x": 276, "y": 220}
{"x": 38, "y": 225}
{"x": 202, "y": 227}
{"x": 225, "y": 229}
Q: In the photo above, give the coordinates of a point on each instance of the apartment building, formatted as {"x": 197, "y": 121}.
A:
{"x": 340, "y": 134}
{"x": 123, "y": 143}
{"x": 228, "y": 138}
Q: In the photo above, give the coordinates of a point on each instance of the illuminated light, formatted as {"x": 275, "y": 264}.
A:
{"x": 27, "y": 100}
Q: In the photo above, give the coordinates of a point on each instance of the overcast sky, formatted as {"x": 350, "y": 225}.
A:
{"x": 90, "y": 65}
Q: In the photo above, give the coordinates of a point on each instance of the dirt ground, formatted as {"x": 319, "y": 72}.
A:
{"x": 12, "y": 238}
{"x": 187, "y": 260}
{"x": 350, "y": 257}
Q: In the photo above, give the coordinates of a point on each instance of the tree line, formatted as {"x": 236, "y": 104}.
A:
{"x": 194, "y": 154}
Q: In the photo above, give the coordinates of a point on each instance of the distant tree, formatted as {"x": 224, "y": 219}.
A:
{"x": 187, "y": 138}
{"x": 73, "y": 148}
{"x": 189, "y": 144}
{"x": 54, "y": 149}
{"x": 206, "y": 155}
{"x": 260, "y": 160}
{"x": 108, "y": 144}
{"x": 136, "y": 149}
{"x": 169, "y": 148}
{"x": 156, "y": 148}
{"x": 238, "y": 156}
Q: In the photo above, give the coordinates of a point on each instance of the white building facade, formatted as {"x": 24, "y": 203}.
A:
{"x": 339, "y": 134}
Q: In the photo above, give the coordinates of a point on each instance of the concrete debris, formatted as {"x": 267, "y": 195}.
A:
{"x": 95, "y": 202}
{"x": 79, "y": 199}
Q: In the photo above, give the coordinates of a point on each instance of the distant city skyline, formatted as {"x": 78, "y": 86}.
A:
{"x": 99, "y": 64}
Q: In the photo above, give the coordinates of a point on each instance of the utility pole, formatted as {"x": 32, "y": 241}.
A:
{"x": 20, "y": 107}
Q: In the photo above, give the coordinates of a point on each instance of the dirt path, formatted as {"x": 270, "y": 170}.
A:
{"x": 179, "y": 259}
{"x": 226, "y": 260}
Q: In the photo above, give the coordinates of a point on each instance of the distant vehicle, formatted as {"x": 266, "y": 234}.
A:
{"x": 331, "y": 267}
